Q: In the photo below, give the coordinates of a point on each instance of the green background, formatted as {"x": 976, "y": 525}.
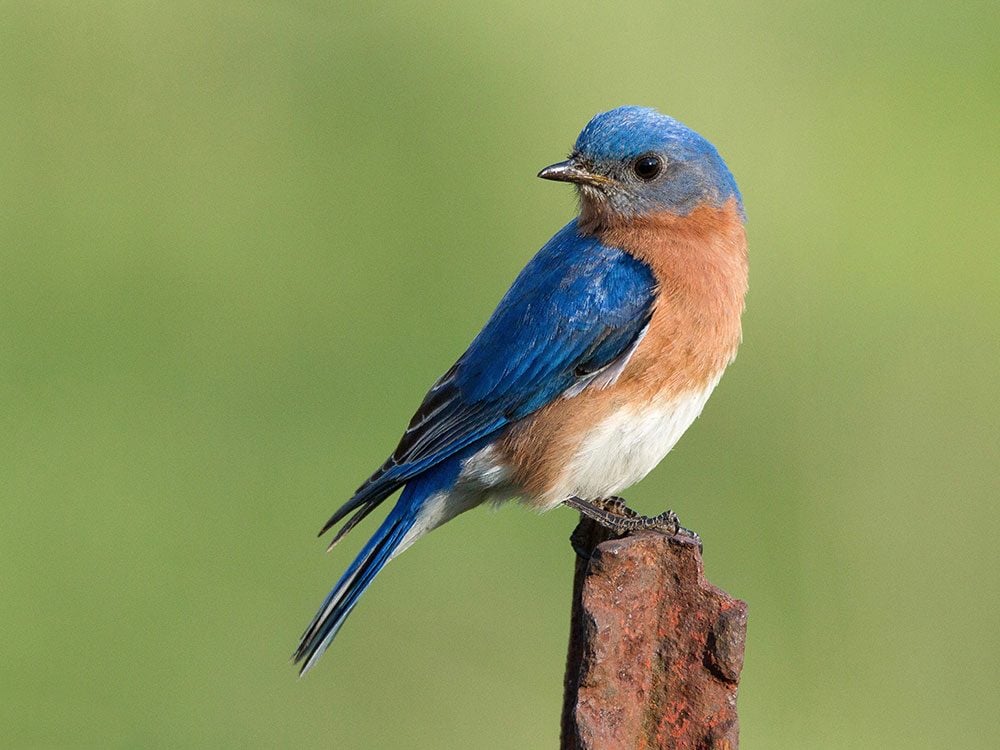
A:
{"x": 240, "y": 239}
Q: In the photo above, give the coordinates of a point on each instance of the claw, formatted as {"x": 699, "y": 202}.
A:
{"x": 691, "y": 536}
{"x": 617, "y": 506}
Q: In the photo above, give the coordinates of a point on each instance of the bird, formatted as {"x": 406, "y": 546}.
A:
{"x": 597, "y": 359}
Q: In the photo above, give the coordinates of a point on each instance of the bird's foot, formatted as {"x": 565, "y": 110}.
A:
{"x": 614, "y": 514}
{"x": 616, "y": 506}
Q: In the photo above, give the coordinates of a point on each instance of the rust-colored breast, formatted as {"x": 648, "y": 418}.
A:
{"x": 700, "y": 263}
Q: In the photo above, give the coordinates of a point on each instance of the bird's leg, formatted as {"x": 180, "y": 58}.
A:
{"x": 614, "y": 514}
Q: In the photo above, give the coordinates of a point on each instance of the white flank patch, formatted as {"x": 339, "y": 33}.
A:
{"x": 608, "y": 375}
{"x": 482, "y": 478}
{"x": 626, "y": 446}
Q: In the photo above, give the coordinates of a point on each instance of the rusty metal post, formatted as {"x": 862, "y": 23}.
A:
{"x": 655, "y": 650}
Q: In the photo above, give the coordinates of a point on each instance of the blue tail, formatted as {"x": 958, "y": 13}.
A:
{"x": 341, "y": 600}
{"x": 373, "y": 557}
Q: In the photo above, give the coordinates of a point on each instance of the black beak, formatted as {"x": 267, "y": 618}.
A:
{"x": 570, "y": 171}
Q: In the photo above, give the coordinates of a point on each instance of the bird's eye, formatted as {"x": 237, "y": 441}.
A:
{"x": 647, "y": 167}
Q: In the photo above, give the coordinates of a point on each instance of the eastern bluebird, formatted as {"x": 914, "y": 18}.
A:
{"x": 595, "y": 362}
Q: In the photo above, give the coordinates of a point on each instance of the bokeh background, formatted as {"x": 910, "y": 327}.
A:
{"x": 240, "y": 239}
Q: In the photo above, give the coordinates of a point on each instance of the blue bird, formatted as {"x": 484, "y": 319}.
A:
{"x": 599, "y": 357}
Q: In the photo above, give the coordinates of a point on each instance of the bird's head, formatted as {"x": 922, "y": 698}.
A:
{"x": 633, "y": 161}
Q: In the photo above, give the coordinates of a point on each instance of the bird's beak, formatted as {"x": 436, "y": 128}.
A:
{"x": 570, "y": 171}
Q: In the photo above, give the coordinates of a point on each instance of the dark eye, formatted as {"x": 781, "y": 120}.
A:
{"x": 647, "y": 167}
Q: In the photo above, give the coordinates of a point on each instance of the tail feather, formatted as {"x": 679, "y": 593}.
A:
{"x": 351, "y": 522}
{"x": 415, "y": 513}
{"x": 358, "y": 577}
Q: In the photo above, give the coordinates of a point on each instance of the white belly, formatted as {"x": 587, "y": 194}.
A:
{"x": 623, "y": 448}
{"x": 613, "y": 455}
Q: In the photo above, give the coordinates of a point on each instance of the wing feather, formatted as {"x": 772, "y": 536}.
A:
{"x": 572, "y": 317}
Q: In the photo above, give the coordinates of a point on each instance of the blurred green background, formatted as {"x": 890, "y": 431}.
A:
{"x": 240, "y": 239}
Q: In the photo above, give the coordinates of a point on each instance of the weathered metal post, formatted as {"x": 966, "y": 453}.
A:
{"x": 655, "y": 650}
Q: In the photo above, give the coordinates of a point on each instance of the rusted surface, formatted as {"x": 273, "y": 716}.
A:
{"x": 655, "y": 650}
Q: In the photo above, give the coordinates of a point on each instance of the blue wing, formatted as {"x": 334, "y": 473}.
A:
{"x": 575, "y": 309}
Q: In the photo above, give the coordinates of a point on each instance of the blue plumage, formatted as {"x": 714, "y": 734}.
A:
{"x": 576, "y": 307}
{"x": 372, "y": 558}
{"x": 696, "y": 173}
{"x": 578, "y": 303}
{"x": 630, "y": 130}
